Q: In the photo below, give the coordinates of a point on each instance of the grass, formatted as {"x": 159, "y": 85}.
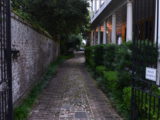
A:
{"x": 22, "y": 111}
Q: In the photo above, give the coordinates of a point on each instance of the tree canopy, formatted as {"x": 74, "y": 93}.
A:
{"x": 58, "y": 17}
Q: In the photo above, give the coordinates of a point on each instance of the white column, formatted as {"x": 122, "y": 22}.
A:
{"x": 92, "y": 10}
{"x": 99, "y": 35}
{"x": 91, "y": 39}
{"x": 113, "y": 38}
{"x": 95, "y": 37}
{"x": 158, "y": 37}
{"x": 156, "y": 18}
{"x": 129, "y": 34}
{"x": 104, "y": 33}
{"x": 158, "y": 22}
{"x": 99, "y": 4}
{"x": 95, "y": 6}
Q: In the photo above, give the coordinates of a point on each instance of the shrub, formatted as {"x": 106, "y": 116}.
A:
{"x": 127, "y": 98}
{"x": 123, "y": 58}
{"x": 98, "y": 55}
{"x": 101, "y": 55}
{"x": 124, "y": 80}
{"x": 109, "y": 56}
{"x": 100, "y": 70}
{"x": 113, "y": 71}
{"x": 123, "y": 64}
{"x": 89, "y": 53}
{"x": 110, "y": 81}
{"x": 125, "y": 103}
{"x": 147, "y": 108}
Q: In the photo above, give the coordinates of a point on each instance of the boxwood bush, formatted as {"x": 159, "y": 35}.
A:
{"x": 100, "y": 70}
{"x": 98, "y": 55}
{"x": 109, "y": 56}
{"x": 111, "y": 65}
{"x": 110, "y": 82}
{"x": 89, "y": 53}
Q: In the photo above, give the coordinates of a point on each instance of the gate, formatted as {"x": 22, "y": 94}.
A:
{"x": 5, "y": 62}
{"x": 145, "y": 90}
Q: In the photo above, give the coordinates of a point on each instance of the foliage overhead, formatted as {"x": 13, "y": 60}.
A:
{"x": 58, "y": 17}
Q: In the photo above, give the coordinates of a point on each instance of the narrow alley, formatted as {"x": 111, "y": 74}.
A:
{"x": 73, "y": 95}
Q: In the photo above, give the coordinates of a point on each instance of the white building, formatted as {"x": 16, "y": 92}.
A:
{"x": 116, "y": 21}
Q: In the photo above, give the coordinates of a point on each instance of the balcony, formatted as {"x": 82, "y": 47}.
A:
{"x": 102, "y": 6}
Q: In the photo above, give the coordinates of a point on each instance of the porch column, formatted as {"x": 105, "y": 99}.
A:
{"x": 129, "y": 36}
{"x": 95, "y": 6}
{"x": 113, "y": 38}
{"x": 99, "y": 4}
{"x": 95, "y": 37}
{"x": 92, "y": 10}
{"x": 92, "y": 40}
{"x": 99, "y": 35}
{"x": 158, "y": 37}
{"x": 104, "y": 33}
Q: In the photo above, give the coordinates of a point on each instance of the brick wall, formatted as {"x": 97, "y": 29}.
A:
{"x": 36, "y": 52}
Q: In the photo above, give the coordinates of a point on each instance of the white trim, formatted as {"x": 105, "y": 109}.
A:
{"x": 156, "y": 27}
{"x": 95, "y": 6}
{"x": 114, "y": 28}
{"x": 99, "y": 4}
{"x": 92, "y": 38}
{"x": 129, "y": 23}
{"x": 95, "y": 39}
{"x": 97, "y": 13}
{"x": 104, "y": 33}
{"x": 99, "y": 35}
{"x": 157, "y": 37}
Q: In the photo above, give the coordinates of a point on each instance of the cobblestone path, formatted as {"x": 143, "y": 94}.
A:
{"x": 72, "y": 95}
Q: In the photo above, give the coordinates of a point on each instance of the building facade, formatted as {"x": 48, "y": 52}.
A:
{"x": 117, "y": 21}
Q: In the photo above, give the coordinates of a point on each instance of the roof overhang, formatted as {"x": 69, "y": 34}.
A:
{"x": 107, "y": 11}
{"x": 103, "y": 6}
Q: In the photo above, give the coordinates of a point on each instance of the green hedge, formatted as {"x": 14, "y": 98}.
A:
{"x": 109, "y": 56}
{"x": 89, "y": 53}
{"x": 111, "y": 65}
{"x": 98, "y": 55}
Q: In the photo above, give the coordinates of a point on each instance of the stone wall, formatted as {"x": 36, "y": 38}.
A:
{"x": 35, "y": 52}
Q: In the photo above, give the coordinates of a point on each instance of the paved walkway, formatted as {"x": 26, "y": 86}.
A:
{"x": 72, "y": 95}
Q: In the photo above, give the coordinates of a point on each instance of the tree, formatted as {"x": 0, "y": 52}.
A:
{"x": 61, "y": 18}
{"x": 57, "y": 16}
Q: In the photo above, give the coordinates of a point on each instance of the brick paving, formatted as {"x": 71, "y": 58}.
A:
{"x": 73, "y": 95}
